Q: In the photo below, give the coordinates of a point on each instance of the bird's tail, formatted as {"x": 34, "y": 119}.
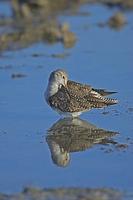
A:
{"x": 104, "y": 92}
{"x": 110, "y": 101}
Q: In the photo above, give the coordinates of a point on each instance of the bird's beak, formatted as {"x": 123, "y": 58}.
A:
{"x": 65, "y": 84}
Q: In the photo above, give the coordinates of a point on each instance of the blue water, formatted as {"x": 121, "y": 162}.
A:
{"x": 101, "y": 57}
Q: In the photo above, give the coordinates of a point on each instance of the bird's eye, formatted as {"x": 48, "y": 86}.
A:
{"x": 63, "y": 77}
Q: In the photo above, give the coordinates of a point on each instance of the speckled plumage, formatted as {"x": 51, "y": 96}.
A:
{"x": 74, "y": 97}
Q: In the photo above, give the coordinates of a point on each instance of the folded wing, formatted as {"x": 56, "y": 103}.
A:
{"x": 77, "y": 97}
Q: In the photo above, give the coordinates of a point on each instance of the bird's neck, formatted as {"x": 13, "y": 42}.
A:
{"x": 52, "y": 89}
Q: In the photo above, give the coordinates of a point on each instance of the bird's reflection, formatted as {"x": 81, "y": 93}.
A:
{"x": 73, "y": 135}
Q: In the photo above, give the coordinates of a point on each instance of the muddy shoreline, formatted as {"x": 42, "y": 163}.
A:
{"x": 62, "y": 193}
{"x": 32, "y": 22}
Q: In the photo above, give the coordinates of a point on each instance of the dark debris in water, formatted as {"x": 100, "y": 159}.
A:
{"x": 54, "y": 55}
{"x": 61, "y": 55}
{"x": 118, "y": 147}
{"x": 105, "y": 112}
{"x": 120, "y": 4}
{"x": 115, "y": 146}
{"x": 113, "y": 112}
{"x": 62, "y": 193}
{"x": 18, "y": 75}
{"x": 3, "y": 132}
{"x": 6, "y": 67}
{"x": 36, "y": 55}
{"x": 121, "y": 146}
{"x": 130, "y": 110}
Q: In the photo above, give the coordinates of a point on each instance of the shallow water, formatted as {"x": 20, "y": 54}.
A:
{"x": 101, "y": 57}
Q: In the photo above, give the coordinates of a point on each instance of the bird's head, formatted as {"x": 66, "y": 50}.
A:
{"x": 59, "y": 77}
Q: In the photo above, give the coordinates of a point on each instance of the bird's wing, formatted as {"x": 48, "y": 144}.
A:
{"x": 103, "y": 92}
{"x": 82, "y": 89}
{"x": 85, "y": 97}
{"x": 77, "y": 97}
{"x": 78, "y": 88}
{"x": 60, "y": 100}
{"x": 68, "y": 101}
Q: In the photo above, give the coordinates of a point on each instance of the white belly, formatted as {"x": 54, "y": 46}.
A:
{"x": 68, "y": 114}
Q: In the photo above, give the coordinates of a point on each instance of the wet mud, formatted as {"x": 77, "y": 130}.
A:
{"x": 60, "y": 194}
